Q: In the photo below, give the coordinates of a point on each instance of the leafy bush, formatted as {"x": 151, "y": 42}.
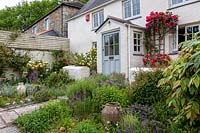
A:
{"x": 62, "y": 58}
{"x": 81, "y": 90}
{"x": 129, "y": 123}
{"x": 86, "y": 126}
{"x": 89, "y": 59}
{"x": 58, "y": 79}
{"x": 42, "y": 120}
{"x": 107, "y": 94}
{"x": 83, "y": 109}
{"x": 182, "y": 79}
{"x": 42, "y": 95}
{"x": 145, "y": 90}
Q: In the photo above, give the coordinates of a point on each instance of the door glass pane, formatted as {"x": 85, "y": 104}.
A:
{"x": 106, "y": 40}
{"x": 111, "y": 39}
{"x": 111, "y": 50}
{"x": 117, "y": 49}
{"x": 135, "y": 48}
{"x": 116, "y": 36}
{"x": 106, "y": 50}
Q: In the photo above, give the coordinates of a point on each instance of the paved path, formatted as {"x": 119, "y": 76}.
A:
{"x": 8, "y": 116}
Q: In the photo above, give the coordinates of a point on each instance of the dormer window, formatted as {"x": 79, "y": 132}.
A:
{"x": 131, "y": 8}
{"x": 46, "y": 24}
{"x": 97, "y": 19}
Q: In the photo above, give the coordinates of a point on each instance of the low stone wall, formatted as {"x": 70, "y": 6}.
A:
{"x": 77, "y": 72}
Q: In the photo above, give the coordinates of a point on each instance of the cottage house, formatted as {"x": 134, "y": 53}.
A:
{"x": 116, "y": 28}
{"x": 53, "y": 23}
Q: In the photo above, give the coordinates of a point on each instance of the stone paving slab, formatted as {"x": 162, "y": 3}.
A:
{"x": 8, "y": 116}
{"x": 11, "y": 129}
{"x": 27, "y": 109}
{"x": 2, "y": 124}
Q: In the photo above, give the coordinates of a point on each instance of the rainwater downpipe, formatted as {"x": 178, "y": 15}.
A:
{"x": 129, "y": 51}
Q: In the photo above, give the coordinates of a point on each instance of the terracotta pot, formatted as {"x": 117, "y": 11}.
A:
{"x": 111, "y": 113}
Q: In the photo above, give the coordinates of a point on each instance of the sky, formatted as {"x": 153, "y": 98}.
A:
{"x": 10, "y": 3}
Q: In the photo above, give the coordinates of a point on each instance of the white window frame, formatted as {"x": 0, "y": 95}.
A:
{"x": 34, "y": 29}
{"x": 132, "y": 10}
{"x": 173, "y": 45}
{"x": 137, "y": 44}
{"x": 180, "y": 3}
{"x": 186, "y": 37}
{"x": 99, "y": 21}
{"x": 47, "y": 23}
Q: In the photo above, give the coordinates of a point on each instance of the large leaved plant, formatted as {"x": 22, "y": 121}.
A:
{"x": 182, "y": 79}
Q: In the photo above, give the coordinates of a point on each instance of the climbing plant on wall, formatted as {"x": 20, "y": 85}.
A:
{"x": 158, "y": 24}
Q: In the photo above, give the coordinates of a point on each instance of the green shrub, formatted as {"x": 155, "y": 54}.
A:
{"x": 108, "y": 94}
{"x": 58, "y": 79}
{"x": 86, "y": 126}
{"x": 129, "y": 123}
{"x": 145, "y": 90}
{"x": 182, "y": 79}
{"x": 81, "y": 90}
{"x": 43, "y": 119}
{"x": 83, "y": 109}
{"x": 42, "y": 95}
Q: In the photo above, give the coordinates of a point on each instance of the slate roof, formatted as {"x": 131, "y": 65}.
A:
{"x": 77, "y": 5}
{"x": 90, "y": 5}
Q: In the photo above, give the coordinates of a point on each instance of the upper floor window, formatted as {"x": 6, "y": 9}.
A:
{"x": 174, "y": 2}
{"x": 46, "y": 23}
{"x": 137, "y": 42}
{"x": 97, "y": 19}
{"x": 131, "y": 8}
{"x": 191, "y": 30}
{"x": 34, "y": 30}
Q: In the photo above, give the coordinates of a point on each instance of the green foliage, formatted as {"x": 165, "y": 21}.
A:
{"x": 144, "y": 88}
{"x": 22, "y": 15}
{"x": 108, "y": 94}
{"x": 42, "y": 95}
{"x": 183, "y": 81}
{"x": 62, "y": 58}
{"x": 86, "y": 126}
{"x": 129, "y": 123}
{"x": 89, "y": 59}
{"x": 8, "y": 58}
{"x": 83, "y": 109}
{"x": 43, "y": 119}
{"x": 81, "y": 90}
{"x": 58, "y": 79}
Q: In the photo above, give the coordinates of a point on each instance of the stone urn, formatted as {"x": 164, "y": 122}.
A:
{"x": 21, "y": 89}
{"x": 111, "y": 113}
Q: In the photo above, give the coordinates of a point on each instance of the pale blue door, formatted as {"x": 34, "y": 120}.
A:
{"x": 111, "y": 53}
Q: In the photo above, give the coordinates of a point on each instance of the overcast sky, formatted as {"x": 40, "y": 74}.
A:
{"x": 10, "y": 3}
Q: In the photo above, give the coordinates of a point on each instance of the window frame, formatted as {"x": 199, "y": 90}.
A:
{"x": 173, "y": 46}
{"x": 34, "y": 29}
{"x": 99, "y": 21}
{"x": 47, "y": 23}
{"x": 132, "y": 16}
{"x": 179, "y": 4}
{"x": 141, "y": 42}
{"x": 186, "y": 27}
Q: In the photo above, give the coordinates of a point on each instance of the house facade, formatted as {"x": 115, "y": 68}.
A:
{"x": 53, "y": 23}
{"x": 116, "y": 28}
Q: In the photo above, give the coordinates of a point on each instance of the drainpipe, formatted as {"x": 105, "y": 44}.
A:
{"x": 129, "y": 50}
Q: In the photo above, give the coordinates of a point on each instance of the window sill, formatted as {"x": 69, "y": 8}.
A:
{"x": 182, "y": 4}
{"x": 138, "y": 54}
{"x": 133, "y": 18}
{"x": 173, "y": 53}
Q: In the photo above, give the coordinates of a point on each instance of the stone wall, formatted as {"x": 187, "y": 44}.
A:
{"x": 57, "y": 20}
